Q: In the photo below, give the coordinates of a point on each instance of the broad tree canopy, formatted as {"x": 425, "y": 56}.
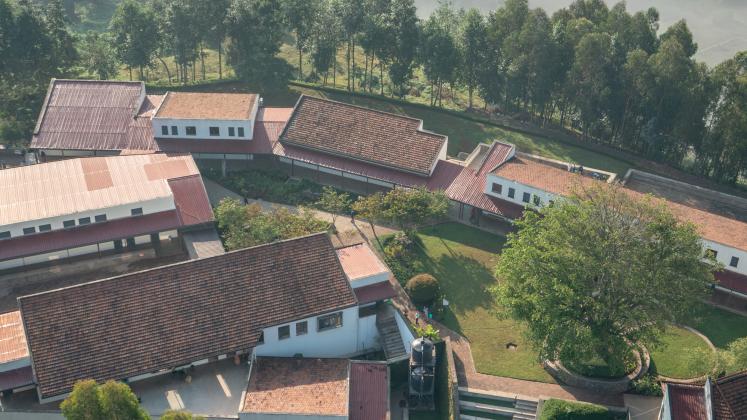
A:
{"x": 596, "y": 271}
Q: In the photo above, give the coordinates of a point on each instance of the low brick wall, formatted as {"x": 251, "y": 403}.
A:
{"x": 610, "y": 386}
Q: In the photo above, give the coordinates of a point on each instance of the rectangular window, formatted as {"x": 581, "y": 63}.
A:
{"x": 537, "y": 201}
{"x": 284, "y": 332}
{"x": 68, "y": 224}
{"x": 261, "y": 339}
{"x": 215, "y": 131}
{"x": 100, "y": 218}
{"x": 84, "y": 221}
{"x": 526, "y": 197}
{"x": 165, "y": 130}
{"x": 511, "y": 192}
{"x": 137, "y": 212}
{"x": 711, "y": 253}
{"x": 29, "y": 230}
{"x": 174, "y": 130}
{"x": 329, "y": 322}
{"x": 734, "y": 262}
{"x": 191, "y": 130}
{"x": 241, "y": 131}
{"x": 302, "y": 328}
{"x": 231, "y": 131}
{"x": 497, "y": 188}
{"x": 5, "y": 235}
{"x": 45, "y": 228}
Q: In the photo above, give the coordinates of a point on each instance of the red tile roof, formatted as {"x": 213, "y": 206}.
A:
{"x": 379, "y": 138}
{"x": 302, "y": 386}
{"x": 369, "y": 391}
{"x": 209, "y": 106}
{"x": 729, "y": 396}
{"x": 177, "y": 314}
{"x": 12, "y": 339}
{"x": 191, "y": 200}
{"x": 56, "y": 240}
{"x": 687, "y": 402}
{"x": 375, "y": 292}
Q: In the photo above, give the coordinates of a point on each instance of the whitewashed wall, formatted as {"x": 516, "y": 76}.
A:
{"x": 520, "y": 188}
{"x": 724, "y": 254}
{"x": 368, "y": 334}
{"x": 203, "y": 128}
{"x": 369, "y": 280}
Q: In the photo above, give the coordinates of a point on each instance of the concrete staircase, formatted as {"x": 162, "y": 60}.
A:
{"x": 482, "y": 405}
{"x": 389, "y": 336}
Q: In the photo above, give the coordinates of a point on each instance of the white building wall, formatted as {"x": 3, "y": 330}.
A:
{"x": 367, "y": 281}
{"x": 724, "y": 254}
{"x": 520, "y": 188}
{"x": 337, "y": 342}
{"x": 368, "y": 334}
{"x": 202, "y": 128}
{"x": 155, "y": 205}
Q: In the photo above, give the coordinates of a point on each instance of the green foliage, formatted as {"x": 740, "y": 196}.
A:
{"x": 423, "y": 289}
{"x": 428, "y": 332}
{"x": 112, "y": 400}
{"x": 600, "y": 270}
{"x": 271, "y": 186}
{"x": 180, "y": 415}
{"x": 734, "y": 358}
{"x": 405, "y": 208}
{"x": 97, "y": 55}
{"x": 334, "y": 202}
{"x": 646, "y": 385}
{"x": 136, "y": 36}
{"x": 245, "y": 226}
{"x": 598, "y": 367}
{"x": 553, "y": 409}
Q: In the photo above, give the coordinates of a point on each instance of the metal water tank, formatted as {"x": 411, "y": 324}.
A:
{"x": 422, "y": 352}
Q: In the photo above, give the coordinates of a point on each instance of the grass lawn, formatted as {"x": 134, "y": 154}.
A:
{"x": 720, "y": 326}
{"x": 462, "y": 259}
{"x": 681, "y": 355}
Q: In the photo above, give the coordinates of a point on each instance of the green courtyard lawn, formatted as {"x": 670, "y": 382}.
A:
{"x": 720, "y": 326}
{"x": 462, "y": 259}
{"x": 682, "y": 355}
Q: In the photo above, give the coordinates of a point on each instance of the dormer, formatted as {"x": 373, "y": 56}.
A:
{"x": 206, "y": 116}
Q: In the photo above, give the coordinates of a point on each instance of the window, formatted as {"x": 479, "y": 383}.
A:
{"x": 710, "y": 253}
{"x": 284, "y": 332}
{"x": 537, "y": 201}
{"x": 366, "y": 311}
{"x": 511, "y": 192}
{"x": 497, "y": 188}
{"x": 68, "y": 224}
{"x": 84, "y": 221}
{"x": 302, "y": 328}
{"x": 165, "y": 130}
{"x": 215, "y": 131}
{"x": 29, "y": 230}
{"x": 45, "y": 228}
{"x": 329, "y": 322}
{"x": 191, "y": 130}
{"x": 5, "y": 235}
{"x": 261, "y": 339}
{"x": 526, "y": 197}
{"x": 137, "y": 212}
{"x": 734, "y": 262}
{"x": 241, "y": 131}
{"x": 100, "y": 218}
{"x": 174, "y": 130}
{"x": 232, "y": 131}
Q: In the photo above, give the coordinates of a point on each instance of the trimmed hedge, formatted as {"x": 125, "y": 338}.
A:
{"x": 566, "y": 410}
{"x": 423, "y": 289}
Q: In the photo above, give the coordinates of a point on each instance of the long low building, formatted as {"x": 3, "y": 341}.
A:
{"x": 71, "y": 208}
{"x": 354, "y": 148}
{"x": 294, "y": 298}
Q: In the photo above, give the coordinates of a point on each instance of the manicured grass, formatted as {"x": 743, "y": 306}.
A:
{"x": 682, "y": 355}
{"x": 720, "y": 326}
{"x": 596, "y": 367}
{"x": 462, "y": 259}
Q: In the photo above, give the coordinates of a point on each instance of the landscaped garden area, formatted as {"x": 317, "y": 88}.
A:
{"x": 462, "y": 259}
{"x": 682, "y": 354}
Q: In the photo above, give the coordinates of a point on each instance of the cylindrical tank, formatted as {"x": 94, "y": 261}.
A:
{"x": 422, "y": 352}
{"x": 421, "y": 381}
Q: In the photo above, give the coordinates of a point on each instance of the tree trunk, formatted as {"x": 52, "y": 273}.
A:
{"x": 365, "y": 74}
{"x": 352, "y": 74}
{"x": 202, "y": 61}
{"x": 300, "y": 64}
{"x": 220, "y": 60}
{"x": 168, "y": 73}
{"x": 142, "y": 73}
{"x": 381, "y": 76}
{"x": 470, "y": 90}
{"x": 130, "y": 69}
{"x": 348, "y": 64}
{"x": 334, "y": 71}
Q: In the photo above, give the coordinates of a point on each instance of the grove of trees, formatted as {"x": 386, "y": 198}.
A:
{"x": 609, "y": 75}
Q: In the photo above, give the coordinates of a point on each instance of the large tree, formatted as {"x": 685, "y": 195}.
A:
{"x": 135, "y": 30}
{"x": 300, "y": 16}
{"x": 97, "y": 55}
{"x": 592, "y": 273}
{"x": 403, "y": 22}
{"x": 111, "y": 400}
{"x": 472, "y": 43}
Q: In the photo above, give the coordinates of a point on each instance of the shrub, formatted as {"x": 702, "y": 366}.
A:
{"x": 646, "y": 385}
{"x": 423, "y": 289}
{"x": 428, "y": 332}
{"x": 566, "y": 410}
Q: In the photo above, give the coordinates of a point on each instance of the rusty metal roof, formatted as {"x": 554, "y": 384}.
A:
{"x": 369, "y": 390}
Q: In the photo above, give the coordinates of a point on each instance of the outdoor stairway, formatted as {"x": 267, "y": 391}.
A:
{"x": 483, "y": 405}
{"x": 391, "y": 340}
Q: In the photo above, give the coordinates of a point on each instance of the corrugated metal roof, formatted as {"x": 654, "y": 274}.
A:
{"x": 687, "y": 402}
{"x": 55, "y": 240}
{"x": 375, "y": 292}
{"x": 191, "y": 200}
{"x": 369, "y": 391}
{"x": 72, "y": 186}
{"x": 732, "y": 280}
